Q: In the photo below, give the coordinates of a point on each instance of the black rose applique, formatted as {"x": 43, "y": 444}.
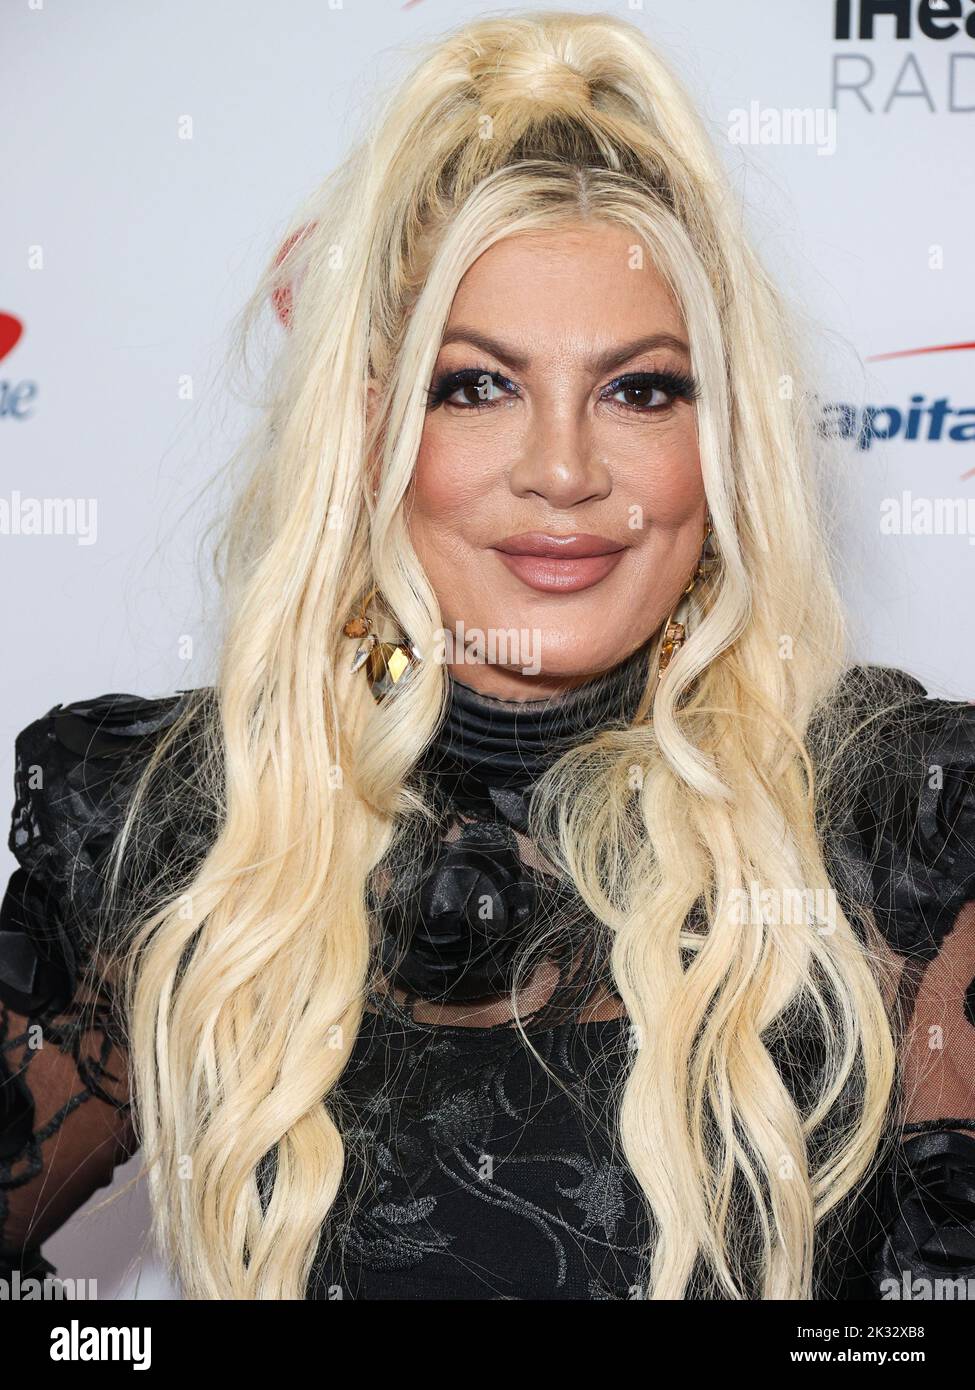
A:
{"x": 924, "y": 865}
{"x": 930, "y": 1217}
{"x": 457, "y": 934}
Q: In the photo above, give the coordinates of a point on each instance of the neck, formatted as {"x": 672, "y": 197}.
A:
{"x": 488, "y": 740}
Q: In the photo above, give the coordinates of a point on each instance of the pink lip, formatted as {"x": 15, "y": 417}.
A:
{"x": 559, "y": 564}
{"x": 577, "y": 544}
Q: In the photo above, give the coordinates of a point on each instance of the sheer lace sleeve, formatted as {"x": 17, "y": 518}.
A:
{"x": 922, "y": 858}
{"x": 65, "y": 1120}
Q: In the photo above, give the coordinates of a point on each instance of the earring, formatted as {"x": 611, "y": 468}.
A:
{"x": 675, "y": 629}
{"x": 386, "y": 662}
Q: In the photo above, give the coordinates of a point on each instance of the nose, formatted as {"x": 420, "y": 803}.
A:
{"x": 560, "y": 464}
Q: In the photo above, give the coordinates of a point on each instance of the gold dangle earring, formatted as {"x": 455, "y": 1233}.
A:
{"x": 675, "y": 629}
{"x": 386, "y": 662}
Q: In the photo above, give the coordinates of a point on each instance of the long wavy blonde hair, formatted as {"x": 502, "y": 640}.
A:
{"x": 245, "y": 982}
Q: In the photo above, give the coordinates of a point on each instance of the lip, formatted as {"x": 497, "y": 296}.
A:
{"x": 576, "y": 545}
{"x": 559, "y": 564}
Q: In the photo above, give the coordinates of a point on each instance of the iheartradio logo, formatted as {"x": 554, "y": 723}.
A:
{"x": 15, "y": 396}
{"x": 11, "y": 332}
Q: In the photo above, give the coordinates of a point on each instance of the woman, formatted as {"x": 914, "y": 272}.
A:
{"x": 539, "y": 904}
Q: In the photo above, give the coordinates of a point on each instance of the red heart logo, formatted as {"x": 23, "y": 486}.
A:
{"x": 10, "y": 331}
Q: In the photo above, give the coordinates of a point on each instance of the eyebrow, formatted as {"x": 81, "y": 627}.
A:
{"x": 602, "y": 362}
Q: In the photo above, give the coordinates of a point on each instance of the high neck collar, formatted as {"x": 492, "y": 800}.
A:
{"x": 486, "y": 742}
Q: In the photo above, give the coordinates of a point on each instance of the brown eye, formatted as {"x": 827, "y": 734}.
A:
{"x": 651, "y": 392}
{"x": 472, "y": 388}
{"x": 474, "y": 392}
{"x": 641, "y": 396}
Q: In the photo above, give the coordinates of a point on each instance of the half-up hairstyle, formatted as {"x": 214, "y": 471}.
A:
{"x": 245, "y": 981}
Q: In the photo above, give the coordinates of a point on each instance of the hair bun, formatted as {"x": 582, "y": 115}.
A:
{"x": 542, "y": 78}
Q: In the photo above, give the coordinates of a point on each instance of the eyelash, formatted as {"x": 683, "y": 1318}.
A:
{"x": 679, "y": 385}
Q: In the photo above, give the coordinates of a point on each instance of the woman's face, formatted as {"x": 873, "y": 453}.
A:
{"x": 557, "y": 505}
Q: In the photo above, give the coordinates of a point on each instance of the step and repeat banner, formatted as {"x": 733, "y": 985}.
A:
{"x": 154, "y": 153}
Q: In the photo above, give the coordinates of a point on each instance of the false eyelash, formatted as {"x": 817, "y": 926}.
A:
{"x": 680, "y": 385}
{"x": 446, "y": 385}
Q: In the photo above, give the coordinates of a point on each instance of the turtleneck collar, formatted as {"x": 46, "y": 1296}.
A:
{"x": 486, "y": 743}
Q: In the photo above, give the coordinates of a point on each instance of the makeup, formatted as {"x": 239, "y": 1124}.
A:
{"x": 559, "y": 563}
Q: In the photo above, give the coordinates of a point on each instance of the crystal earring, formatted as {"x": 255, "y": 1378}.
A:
{"x": 386, "y": 662}
{"x": 675, "y": 629}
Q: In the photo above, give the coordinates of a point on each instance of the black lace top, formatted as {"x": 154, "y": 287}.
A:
{"x": 480, "y": 1167}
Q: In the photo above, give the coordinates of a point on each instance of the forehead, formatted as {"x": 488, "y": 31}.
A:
{"x": 580, "y": 282}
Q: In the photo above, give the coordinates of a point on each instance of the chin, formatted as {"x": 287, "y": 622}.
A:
{"x": 539, "y": 655}
{"x": 584, "y": 659}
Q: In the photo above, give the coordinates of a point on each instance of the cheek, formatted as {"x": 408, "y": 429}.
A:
{"x": 445, "y": 485}
{"x": 445, "y": 504}
{"x": 662, "y": 475}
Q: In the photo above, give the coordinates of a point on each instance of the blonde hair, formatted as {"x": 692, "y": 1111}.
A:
{"x": 245, "y": 984}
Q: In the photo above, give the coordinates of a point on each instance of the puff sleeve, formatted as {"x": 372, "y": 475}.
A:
{"x": 65, "y": 1116}
{"x": 916, "y": 826}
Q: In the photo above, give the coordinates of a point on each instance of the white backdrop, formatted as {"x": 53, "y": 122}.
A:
{"x": 126, "y": 249}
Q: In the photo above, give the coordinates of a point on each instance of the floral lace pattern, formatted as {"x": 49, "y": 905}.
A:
{"x": 474, "y": 1172}
{"x": 498, "y": 1179}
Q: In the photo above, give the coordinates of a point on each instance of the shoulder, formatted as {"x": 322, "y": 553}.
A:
{"x": 899, "y": 809}
{"x": 74, "y": 767}
{"x": 72, "y": 763}
{"x": 104, "y": 730}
